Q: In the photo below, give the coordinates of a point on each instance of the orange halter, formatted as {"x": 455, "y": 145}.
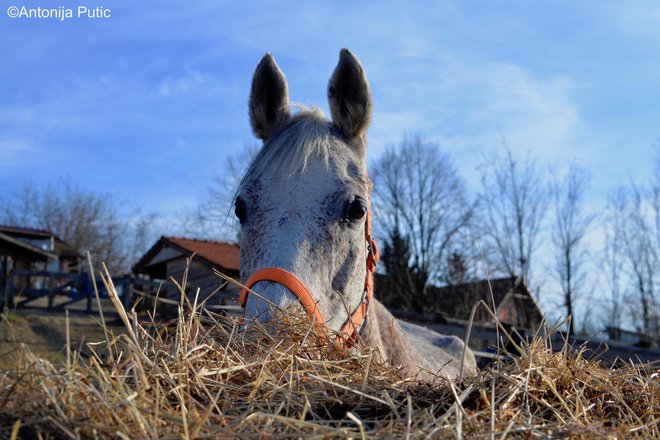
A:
{"x": 348, "y": 333}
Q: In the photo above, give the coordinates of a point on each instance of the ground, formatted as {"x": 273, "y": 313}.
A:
{"x": 45, "y": 333}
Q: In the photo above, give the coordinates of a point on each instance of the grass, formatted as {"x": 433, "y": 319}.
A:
{"x": 45, "y": 334}
{"x": 203, "y": 377}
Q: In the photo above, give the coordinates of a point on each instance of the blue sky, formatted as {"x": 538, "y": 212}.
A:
{"x": 148, "y": 103}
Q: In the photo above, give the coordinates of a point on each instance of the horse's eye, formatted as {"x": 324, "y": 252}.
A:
{"x": 357, "y": 209}
{"x": 240, "y": 210}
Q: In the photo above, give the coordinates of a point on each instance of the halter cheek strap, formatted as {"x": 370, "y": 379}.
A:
{"x": 358, "y": 319}
{"x": 348, "y": 333}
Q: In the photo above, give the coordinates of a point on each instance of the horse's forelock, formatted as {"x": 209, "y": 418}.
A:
{"x": 306, "y": 135}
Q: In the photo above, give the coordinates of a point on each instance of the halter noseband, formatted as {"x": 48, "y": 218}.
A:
{"x": 349, "y": 332}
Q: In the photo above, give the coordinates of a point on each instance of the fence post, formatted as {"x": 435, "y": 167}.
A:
{"x": 9, "y": 290}
{"x": 4, "y": 273}
{"x": 87, "y": 285}
{"x": 51, "y": 292}
{"x": 126, "y": 291}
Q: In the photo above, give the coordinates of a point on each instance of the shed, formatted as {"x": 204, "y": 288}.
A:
{"x": 514, "y": 303}
{"x": 33, "y": 249}
{"x": 169, "y": 257}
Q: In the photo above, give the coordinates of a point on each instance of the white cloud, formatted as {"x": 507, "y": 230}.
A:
{"x": 534, "y": 113}
{"x": 467, "y": 105}
{"x": 190, "y": 81}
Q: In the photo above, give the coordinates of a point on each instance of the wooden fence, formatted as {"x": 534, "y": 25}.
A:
{"x": 57, "y": 291}
{"x": 25, "y": 288}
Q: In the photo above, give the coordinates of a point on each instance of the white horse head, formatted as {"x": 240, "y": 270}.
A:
{"x": 303, "y": 202}
{"x": 303, "y": 206}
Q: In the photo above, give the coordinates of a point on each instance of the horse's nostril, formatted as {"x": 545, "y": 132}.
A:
{"x": 271, "y": 295}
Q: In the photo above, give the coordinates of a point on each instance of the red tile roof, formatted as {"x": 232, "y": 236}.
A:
{"x": 226, "y": 255}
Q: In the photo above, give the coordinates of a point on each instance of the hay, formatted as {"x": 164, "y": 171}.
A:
{"x": 204, "y": 378}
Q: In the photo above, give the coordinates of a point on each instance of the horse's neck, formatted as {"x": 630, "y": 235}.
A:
{"x": 384, "y": 333}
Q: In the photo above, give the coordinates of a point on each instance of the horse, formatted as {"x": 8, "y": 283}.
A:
{"x": 304, "y": 211}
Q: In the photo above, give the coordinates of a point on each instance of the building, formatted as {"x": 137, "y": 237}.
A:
{"x": 32, "y": 250}
{"x": 514, "y": 304}
{"x": 170, "y": 257}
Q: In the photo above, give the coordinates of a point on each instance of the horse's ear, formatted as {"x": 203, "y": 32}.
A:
{"x": 269, "y": 98}
{"x": 349, "y": 97}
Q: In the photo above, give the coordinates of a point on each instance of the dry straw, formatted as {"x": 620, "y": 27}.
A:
{"x": 204, "y": 377}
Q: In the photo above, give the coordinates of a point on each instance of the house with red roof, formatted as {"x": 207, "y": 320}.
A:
{"x": 169, "y": 259}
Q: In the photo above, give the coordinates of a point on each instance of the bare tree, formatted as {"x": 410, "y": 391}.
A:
{"x": 613, "y": 261}
{"x": 570, "y": 226}
{"x": 465, "y": 260}
{"x": 640, "y": 244}
{"x": 632, "y": 253}
{"x": 632, "y": 232}
{"x": 142, "y": 234}
{"x": 87, "y": 221}
{"x": 214, "y": 215}
{"x": 513, "y": 203}
{"x": 419, "y": 197}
